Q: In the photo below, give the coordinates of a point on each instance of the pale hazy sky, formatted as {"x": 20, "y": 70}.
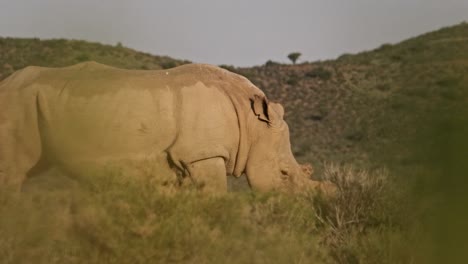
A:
{"x": 238, "y": 32}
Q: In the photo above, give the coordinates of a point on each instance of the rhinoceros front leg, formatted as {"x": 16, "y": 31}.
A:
{"x": 209, "y": 174}
{"x": 20, "y": 141}
{"x": 19, "y": 152}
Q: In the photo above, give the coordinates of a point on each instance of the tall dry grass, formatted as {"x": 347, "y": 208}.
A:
{"x": 367, "y": 219}
{"x": 112, "y": 219}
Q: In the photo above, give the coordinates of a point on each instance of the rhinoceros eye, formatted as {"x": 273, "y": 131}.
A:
{"x": 284, "y": 174}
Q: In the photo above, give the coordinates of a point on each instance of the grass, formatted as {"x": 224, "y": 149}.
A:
{"x": 112, "y": 219}
{"x": 365, "y": 221}
{"x": 17, "y": 53}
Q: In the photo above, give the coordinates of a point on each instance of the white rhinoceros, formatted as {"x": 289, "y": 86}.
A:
{"x": 196, "y": 122}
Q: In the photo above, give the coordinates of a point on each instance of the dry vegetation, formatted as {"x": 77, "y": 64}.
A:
{"x": 112, "y": 219}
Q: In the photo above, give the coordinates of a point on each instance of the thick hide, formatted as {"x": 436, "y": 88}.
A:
{"x": 195, "y": 123}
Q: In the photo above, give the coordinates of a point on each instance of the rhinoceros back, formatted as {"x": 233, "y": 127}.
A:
{"x": 92, "y": 111}
{"x": 90, "y": 114}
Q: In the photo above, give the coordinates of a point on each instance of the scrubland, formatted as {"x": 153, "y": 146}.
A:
{"x": 110, "y": 218}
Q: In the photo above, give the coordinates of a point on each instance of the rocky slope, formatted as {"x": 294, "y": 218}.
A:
{"x": 362, "y": 109}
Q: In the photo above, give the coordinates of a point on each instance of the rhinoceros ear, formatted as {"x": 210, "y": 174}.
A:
{"x": 279, "y": 110}
{"x": 260, "y": 107}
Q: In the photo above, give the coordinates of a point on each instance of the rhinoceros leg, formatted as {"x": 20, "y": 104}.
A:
{"x": 209, "y": 174}
{"x": 20, "y": 141}
{"x": 20, "y": 151}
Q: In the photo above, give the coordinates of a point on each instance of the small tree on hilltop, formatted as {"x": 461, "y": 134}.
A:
{"x": 294, "y": 56}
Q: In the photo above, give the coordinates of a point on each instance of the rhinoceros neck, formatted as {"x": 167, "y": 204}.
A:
{"x": 240, "y": 91}
{"x": 240, "y": 94}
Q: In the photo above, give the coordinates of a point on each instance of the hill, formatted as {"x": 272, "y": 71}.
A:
{"x": 372, "y": 106}
{"x": 17, "y": 53}
{"x": 342, "y": 111}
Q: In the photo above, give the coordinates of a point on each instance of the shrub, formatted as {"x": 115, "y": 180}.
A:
{"x": 319, "y": 72}
{"x": 82, "y": 57}
{"x": 449, "y": 81}
{"x": 359, "y": 196}
{"x": 293, "y": 80}
{"x": 168, "y": 64}
{"x": 364, "y": 207}
{"x": 384, "y": 87}
{"x": 345, "y": 56}
{"x": 271, "y": 63}
{"x": 396, "y": 57}
{"x": 385, "y": 47}
{"x": 228, "y": 67}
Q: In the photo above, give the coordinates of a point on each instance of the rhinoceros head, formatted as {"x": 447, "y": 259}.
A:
{"x": 270, "y": 164}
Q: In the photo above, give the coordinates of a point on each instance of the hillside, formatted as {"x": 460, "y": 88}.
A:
{"x": 343, "y": 111}
{"x": 17, "y": 53}
{"x": 371, "y": 106}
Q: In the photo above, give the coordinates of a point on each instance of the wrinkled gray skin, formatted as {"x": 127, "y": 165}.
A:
{"x": 191, "y": 124}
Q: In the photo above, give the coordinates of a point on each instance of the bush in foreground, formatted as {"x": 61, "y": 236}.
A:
{"x": 118, "y": 220}
{"x": 368, "y": 220}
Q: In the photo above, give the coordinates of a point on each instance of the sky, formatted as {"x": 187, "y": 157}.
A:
{"x": 236, "y": 32}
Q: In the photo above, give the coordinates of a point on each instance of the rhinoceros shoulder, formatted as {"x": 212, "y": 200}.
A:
{"x": 215, "y": 76}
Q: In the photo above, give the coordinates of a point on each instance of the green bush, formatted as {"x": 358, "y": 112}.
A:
{"x": 320, "y": 72}
{"x": 271, "y": 63}
{"x": 168, "y": 64}
{"x": 345, "y": 56}
{"x": 293, "y": 80}
{"x": 228, "y": 67}
{"x": 82, "y": 57}
{"x": 385, "y": 47}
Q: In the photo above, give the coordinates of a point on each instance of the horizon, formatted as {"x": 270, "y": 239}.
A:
{"x": 241, "y": 34}
{"x": 227, "y": 64}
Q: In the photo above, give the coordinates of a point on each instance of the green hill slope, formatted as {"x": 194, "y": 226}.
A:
{"x": 371, "y": 106}
{"x": 17, "y": 53}
{"x": 355, "y": 109}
